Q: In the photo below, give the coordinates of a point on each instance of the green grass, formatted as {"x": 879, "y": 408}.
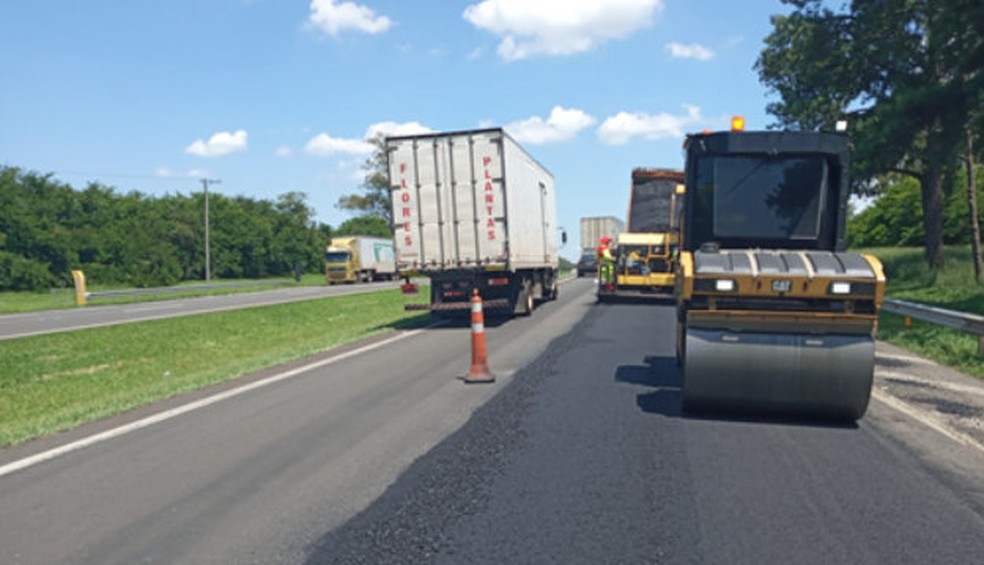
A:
{"x": 53, "y": 382}
{"x": 952, "y": 287}
{"x": 56, "y": 299}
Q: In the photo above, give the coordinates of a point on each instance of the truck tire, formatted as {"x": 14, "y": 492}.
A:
{"x": 554, "y": 290}
{"x": 524, "y": 304}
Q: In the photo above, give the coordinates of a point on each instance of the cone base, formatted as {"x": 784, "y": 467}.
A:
{"x": 479, "y": 379}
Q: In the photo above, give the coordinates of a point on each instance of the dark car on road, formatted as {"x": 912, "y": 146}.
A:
{"x": 587, "y": 265}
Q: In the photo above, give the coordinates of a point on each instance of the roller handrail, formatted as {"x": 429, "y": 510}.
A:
{"x": 963, "y": 321}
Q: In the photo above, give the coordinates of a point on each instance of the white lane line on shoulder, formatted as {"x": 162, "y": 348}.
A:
{"x": 927, "y": 420}
{"x": 175, "y": 412}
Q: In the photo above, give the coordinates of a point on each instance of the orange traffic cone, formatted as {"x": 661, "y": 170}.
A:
{"x": 479, "y": 372}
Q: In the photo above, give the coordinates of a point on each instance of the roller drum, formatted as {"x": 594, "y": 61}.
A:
{"x": 827, "y": 376}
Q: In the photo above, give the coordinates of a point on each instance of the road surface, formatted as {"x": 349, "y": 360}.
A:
{"x": 577, "y": 454}
{"x": 50, "y": 321}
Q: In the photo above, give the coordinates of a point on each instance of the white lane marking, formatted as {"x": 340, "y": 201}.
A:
{"x": 175, "y": 412}
{"x": 156, "y": 306}
{"x": 927, "y": 420}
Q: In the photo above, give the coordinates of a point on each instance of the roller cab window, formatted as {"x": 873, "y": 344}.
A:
{"x": 776, "y": 201}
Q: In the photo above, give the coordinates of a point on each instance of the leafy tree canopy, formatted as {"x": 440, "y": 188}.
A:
{"x": 365, "y": 225}
{"x": 375, "y": 199}
{"x": 907, "y": 75}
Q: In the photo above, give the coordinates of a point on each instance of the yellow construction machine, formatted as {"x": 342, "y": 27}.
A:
{"x": 646, "y": 252}
{"x": 774, "y": 315}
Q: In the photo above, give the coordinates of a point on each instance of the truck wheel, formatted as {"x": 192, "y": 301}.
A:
{"x": 526, "y": 298}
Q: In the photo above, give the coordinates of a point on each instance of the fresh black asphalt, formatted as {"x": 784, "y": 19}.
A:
{"x": 585, "y": 457}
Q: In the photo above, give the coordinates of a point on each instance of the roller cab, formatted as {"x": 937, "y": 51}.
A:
{"x": 774, "y": 315}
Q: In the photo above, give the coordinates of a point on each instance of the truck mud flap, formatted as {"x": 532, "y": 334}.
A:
{"x": 823, "y": 376}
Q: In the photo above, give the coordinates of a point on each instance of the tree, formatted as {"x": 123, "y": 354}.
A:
{"x": 376, "y": 200}
{"x": 898, "y": 70}
{"x": 365, "y": 225}
{"x": 47, "y": 229}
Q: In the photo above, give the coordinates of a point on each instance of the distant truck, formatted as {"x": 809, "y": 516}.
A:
{"x": 646, "y": 253}
{"x": 472, "y": 210}
{"x": 359, "y": 259}
{"x": 596, "y": 227}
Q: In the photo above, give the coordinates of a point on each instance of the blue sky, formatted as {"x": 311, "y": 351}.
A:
{"x": 272, "y": 96}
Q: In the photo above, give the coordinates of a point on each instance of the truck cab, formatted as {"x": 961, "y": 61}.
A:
{"x": 341, "y": 261}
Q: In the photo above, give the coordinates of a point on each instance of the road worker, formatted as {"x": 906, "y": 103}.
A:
{"x": 606, "y": 261}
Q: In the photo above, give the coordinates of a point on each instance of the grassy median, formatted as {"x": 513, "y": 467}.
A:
{"x": 53, "y": 382}
{"x": 62, "y": 298}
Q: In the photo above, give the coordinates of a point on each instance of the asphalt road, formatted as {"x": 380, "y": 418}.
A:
{"x": 50, "y": 321}
{"x": 577, "y": 454}
{"x": 586, "y": 458}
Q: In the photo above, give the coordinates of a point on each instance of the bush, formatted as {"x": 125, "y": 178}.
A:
{"x": 20, "y": 273}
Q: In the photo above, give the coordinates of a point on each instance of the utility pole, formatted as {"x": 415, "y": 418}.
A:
{"x": 208, "y": 259}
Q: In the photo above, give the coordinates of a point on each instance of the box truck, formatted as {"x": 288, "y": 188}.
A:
{"x": 359, "y": 259}
{"x": 596, "y": 227}
{"x": 473, "y": 211}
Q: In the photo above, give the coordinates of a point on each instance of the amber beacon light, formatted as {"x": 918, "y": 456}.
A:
{"x": 738, "y": 123}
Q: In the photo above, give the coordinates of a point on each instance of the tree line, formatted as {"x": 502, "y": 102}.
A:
{"x": 908, "y": 77}
{"x": 47, "y": 229}
{"x": 895, "y": 218}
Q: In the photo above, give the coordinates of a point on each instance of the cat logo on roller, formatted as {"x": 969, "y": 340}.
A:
{"x": 774, "y": 315}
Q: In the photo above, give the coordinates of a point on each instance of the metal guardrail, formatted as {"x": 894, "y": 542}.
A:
{"x": 971, "y": 323}
{"x": 963, "y": 321}
{"x": 185, "y": 288}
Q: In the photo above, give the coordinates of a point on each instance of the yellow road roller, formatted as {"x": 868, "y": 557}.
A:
{"x": 774, "y": 315}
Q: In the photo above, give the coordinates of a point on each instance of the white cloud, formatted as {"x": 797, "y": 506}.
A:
{"x": 562, "y": 125}
{"x": 335, "y": 17}
{"x": 393, "y": 128}
{"x": 559, "y": 27}
{"x": 691, "y": 51}
{"x": 167, "y": 172}
{"x": 221, "y": 143}
{"x": 283, "y": 151}
{"x": 324, "y": 145}
{"x": 622, "y": 127}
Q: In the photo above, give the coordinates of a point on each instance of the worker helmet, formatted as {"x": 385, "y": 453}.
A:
{"x": 605, "y": 240}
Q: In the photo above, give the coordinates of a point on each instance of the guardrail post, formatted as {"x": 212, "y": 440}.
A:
{"x": 78, "y": 278}
{"x": 980, "y": 345}
{"x": 907, "y": 322}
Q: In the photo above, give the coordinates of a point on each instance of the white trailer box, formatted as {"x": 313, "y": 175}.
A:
{"x": 596, "y": 227}
{"x": 472, "y": 209}
{"x": 376, "y": 256}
